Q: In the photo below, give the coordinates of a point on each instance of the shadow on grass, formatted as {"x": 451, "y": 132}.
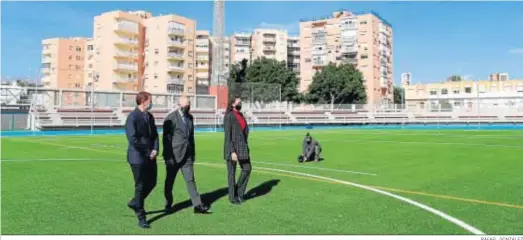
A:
{"x": 211, "y": 197}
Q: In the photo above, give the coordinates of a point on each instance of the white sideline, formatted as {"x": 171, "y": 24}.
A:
{"x": 319, "y": 168}
{"x": 443, "y": 215}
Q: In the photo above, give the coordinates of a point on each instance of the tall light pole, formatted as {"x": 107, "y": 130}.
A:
{"x": 95, "y": 79}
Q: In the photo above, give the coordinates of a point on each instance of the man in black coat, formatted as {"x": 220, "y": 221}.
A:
{"x": 142, "y": 137}
{"x": 179, "y": 152}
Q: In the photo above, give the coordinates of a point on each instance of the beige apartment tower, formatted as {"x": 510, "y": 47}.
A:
{"x": 269, "y": 43}
{"x": 241, "y": 48}
{"x": 203, "y": 69}
{"x": 364, "y": 40}
{"x": 118, "y": 44}
{"x": 170, "y": 55}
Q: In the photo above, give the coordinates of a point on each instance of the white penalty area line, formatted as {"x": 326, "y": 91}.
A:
{"x": 441, "y": 214}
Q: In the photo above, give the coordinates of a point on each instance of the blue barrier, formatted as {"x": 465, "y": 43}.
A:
{"x": 303, "y": 127}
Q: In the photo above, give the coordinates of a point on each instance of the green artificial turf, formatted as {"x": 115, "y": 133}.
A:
{"x": 81, "y": 184}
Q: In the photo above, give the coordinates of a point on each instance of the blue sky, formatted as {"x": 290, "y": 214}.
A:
{"x": 431, "y": 39}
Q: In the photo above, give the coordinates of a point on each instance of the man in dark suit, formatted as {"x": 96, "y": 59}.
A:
{"x": 142, "y": 150}
{"x": 236, "y": 149}
{"x": 311, "y": 150}
{"x": 179, "y": 152}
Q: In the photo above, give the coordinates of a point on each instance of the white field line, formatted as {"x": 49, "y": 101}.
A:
{"x": 317, "y": 168}
{"x": 441, "y": 214}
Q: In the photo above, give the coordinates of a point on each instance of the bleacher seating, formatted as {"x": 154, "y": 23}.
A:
{"x": 311, "y": 116}
{"x": 394, "y": 117}
{"x": 347, "y": 116}
{"x": 270, "y": 117}
{"x": 109, "y": 117}
{"x": 87, "y": 117}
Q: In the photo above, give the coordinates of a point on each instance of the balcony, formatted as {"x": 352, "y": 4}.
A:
{"x": 125, "y": 54}
{"x": 349, "y": 49}
{"x": 176, "y": 68}
{"x": 349, "y": 27}
{"x": 125, "y": 80}
{"x": 352, "y": 61}
{"x": 46, "y": 70}
{"x": 202, "y": 67}
{"x": 179, "y": 44}
{"x": 243, "y": 43}
{"x": 203, "y": 81}
{"x": 383, "y": 82}
{"x": 127, "y": 42}
{"x": 174, "y": 80}
{"x": 126, "y": 67}
{"x": 269, "y": 40}
{"x": 175, "y": 56}
{"x": 269, "y": 49}
{"x": 203, "y": 58}
{"x": 176, "y": 31}
{"x": 318, "y": 63}
{"x": 202, "y": 49}
{"x": 127, "y": 27}
{"x": 46, "y": 59}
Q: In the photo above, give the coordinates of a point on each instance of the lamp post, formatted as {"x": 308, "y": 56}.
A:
{"x": 95, "y": 79}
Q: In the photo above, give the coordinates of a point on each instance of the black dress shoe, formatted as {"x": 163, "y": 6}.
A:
{"x": 143, "y": 223}
{"x": 201, "y": 209}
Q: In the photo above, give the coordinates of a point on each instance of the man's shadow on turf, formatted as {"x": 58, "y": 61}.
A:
{"x": 211, "y": 197}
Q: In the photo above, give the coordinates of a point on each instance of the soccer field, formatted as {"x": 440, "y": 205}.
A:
{"x": 371, "y": 182}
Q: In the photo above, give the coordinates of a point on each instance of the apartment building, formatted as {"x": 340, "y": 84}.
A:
{"x": 63, "y": 67}
{"x": 170, "y": 54}
{"x": 269, "y": 43}
{"x": 463, "y": 94}
{"x": 498, "y": 77}
{"x": 203, "y": 69}
{"x": 293, "y": 53}
{"x": 89, "y": 70}
{"x": 362, "y": 39}
{"x": 63, "y": 63}
{"x": 119, "y": 43}
{"x": 241, "y": 48}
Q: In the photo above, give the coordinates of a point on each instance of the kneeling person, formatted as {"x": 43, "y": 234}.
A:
{"x": 311, "y": 150}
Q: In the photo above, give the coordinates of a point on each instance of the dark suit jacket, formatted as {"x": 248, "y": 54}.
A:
{"x": 178, "y": 137}
{"x": 142, "y": 136}
{"x": 235, "y": 139}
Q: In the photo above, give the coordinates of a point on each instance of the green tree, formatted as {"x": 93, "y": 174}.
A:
{"x": 265, "y": 80}
{"x": 399, "y": 97}
{"x": 454, "y": 78}
{"x": 336, "y": 84}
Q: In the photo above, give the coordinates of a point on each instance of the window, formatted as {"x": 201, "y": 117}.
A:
{"x": 307, "y": 60}
{"x": 468, "y": 90}
{"x": 70, "y": 57}
{"x": 77, "y": 67}
{"x": 78, "y": 58}
{"x": 90, "y": 47}
{"x": 363, "y": 22}
{"x": 70, "y": 48}
{"x": 189, "y": 89}
{"x": 155, "y": 76}
{"x": 444, "y": 91}
{"x": 455, "y": 91}
{"x": 190, "y": 65}
{"x": 156, "y": 51}
{"x": 77, "y": 85}
{"x": 433, "y": 92}
{"x": 70, "y": 76}
{"x": 457, "y": 104}
{"x": 78, "y": 49}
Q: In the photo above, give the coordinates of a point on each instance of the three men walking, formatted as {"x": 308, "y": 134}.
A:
{"x": 179, "y": 152}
